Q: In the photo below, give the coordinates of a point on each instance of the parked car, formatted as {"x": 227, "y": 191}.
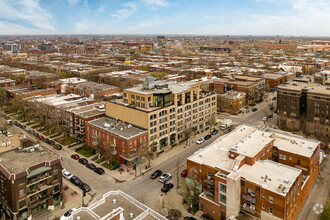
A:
{"x": 269, "y": 116}
{"x": 58, "y": 147}
{"x": 274, "y": 98}
{"x": 189, "y": 218}
{"x": 90, "y": 166}
{"x": 75, "y": 156}
{"x": 36, "y": 134}
{"x": 156, "y": 174}
{"x": 184, "y": 173}
{"x": 275, "y": 111}
{"x": 264, "y": 119}
{"x": 215, "y": 131}
{"x": 52, "y": 142}
{"x": 83, "y": 161}
{"x": 207, "y": 137}
{"x": 67, "y": 214}
{"x": 99, "y": 171}
{"x": 200, "y": 141}
{"x": 9, "y": 134}
{"x": 67, "y": 175}
{"x": 85, "y": 187}
{"x": 75, "y": 180}
{"x": 167, "y": 187}
{"x": 165, "y": 177}
{"x": 254, "y": 109}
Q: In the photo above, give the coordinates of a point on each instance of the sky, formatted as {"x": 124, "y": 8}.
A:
{"x": 197, "y": 17}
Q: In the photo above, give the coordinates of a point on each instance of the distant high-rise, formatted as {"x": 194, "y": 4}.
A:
{"x": 14, "y": 48}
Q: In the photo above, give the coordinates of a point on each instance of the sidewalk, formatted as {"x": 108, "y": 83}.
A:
{"x": 127, "y": 176}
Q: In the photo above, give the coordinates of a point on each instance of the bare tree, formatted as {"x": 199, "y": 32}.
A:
{"x": 178, "y": 172}
{"x": 211, "y": 122}
{"x": 187, "y": 134}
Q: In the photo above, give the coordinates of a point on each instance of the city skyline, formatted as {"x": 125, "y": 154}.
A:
{"x": 248, "y": 17}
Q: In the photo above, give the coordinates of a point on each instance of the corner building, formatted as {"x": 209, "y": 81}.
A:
{"x": 166, "y": 109}
{"x": 265, "y": 174}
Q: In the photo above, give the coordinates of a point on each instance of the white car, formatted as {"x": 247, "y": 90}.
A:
{"x": 265, "y": 119}
{"x": 165, "y": 177}
{"x": 67, "y": 175}
{"x": 200, "y": 141}
{"x": 9, "y": 134}
{"x": 68, "y": 214}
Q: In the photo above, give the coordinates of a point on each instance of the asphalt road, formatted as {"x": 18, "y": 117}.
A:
{"x": 143, "y": 188}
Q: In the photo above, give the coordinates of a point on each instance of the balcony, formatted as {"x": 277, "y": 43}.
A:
{"x": 38, "y": 179}
{"x": 209, "y": 194}
{"x": 249, "y": 198}
{"x": 251, "y": 209}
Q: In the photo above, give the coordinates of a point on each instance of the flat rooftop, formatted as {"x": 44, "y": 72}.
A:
{"x": 16, "y": 161}
{"x": 119, "y": 128}
{"x": 233, "y": 95}
{"x": 297, "y": 86}
{"x": 173, "y": 87}
{"x": 61, "y": 100}
{"x": 272, "y": 76}
{"x": 114, "y": 202}
{"x": 270, "y": 175}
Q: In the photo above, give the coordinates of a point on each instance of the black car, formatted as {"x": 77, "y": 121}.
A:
{"x": 36, "y": 134}
{"x": 189, "y": 218}
{"x": 207, "y": 137}
{"x": 47, "y": 140}
{"x": 254, "y": 109}
{"x": 275, "y": 111}
{"x": 167, "y": 187}
{"x": 274, "y": 98}
{"x": 75, "y": 180}
{"x": 52, "y": 142}
{"x": 156, "y": 174}
{"x": 58, "y": 147}
{"x": 99, "y": 171}
{"x": 215, "y": 131}
{"x": 83, "y": 161}
{"x": 90, "y": 166}
{"x": 84, "y": 186}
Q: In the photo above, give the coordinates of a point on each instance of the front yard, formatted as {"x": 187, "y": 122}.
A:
{"x": 65, "y": 140}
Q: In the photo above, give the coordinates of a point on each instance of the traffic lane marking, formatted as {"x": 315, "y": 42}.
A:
{"x": 170, "y": 171}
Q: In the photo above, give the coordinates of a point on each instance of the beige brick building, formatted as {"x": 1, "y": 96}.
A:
{"x": 165, "y": 109}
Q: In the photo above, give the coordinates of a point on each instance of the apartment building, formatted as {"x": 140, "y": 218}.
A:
{"x": 264, "y": 173}
{"x": 112, "y": 137}
{"x": 304, "y": 106}
{"x": 30, "y": 177}
{"x": 77, "y": 117}
{"x": 5, "y": 82}
{"x": 274, "y": 80}
{"x": 165, "y": 109}
{"x": 232, "y": 101}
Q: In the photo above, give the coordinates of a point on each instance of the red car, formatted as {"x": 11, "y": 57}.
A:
{"x": 75, "y": 156}
{"x": 184, "y": 173}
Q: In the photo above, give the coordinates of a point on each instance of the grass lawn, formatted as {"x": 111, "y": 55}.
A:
{"x": 35, "y": 126}
{"x": 84, "y": 153}
{"x": 31, "y": 123}
{"x": 50, "y": 132}
{"x": 108, "y": 165}
{"x": 42, "y": 129}
{"x": 65, "y": 141}
{"x": 99, "y": 161}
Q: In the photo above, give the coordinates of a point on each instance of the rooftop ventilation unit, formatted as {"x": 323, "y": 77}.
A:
{"x": 106, "y": 125}
{"x": 286, "y": 181}
{"x": 309, "y": 147}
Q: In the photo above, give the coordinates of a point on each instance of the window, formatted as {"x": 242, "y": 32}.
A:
{"x": 55, "y": 167}
{"x": 130, "y": 144}
{"x": 195, "y": 169}
{"x": 282, "y": 157}
{"x": 56, "y": 177}
{"x": 21, "y": 204}
{"x": 263, "y": 206}
{"x": 251, "y": 191}
{"x": 298, "y": 162}
{"x": 271, "y": 199}
{"x": 135, "y": 143}
{"x": 263, "y": 195}
{"x": 222, "y": 187}
{"x": 56, "y": 188}
{"x": 270, "y": 210}
{"x": 201, "y": 206}
{"x": 21, "y": 181}
{"x": 21, "y": 192}
{"x": 222, "y": 199}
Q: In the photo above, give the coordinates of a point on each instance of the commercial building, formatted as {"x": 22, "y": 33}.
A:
{"x": 116, "y": 205}
{"x": 165, "y": 109}
{"x": 112, "y": 137}
{"x": 5, "y": 82}
{"x": 274, "y": 80}
{"x": 304, "y": 106}
{"x": 232, "y": 101}
{"x": 30, "y": 177}
{"x": 13, "y": 48}
{"x": 264, "y": 173}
